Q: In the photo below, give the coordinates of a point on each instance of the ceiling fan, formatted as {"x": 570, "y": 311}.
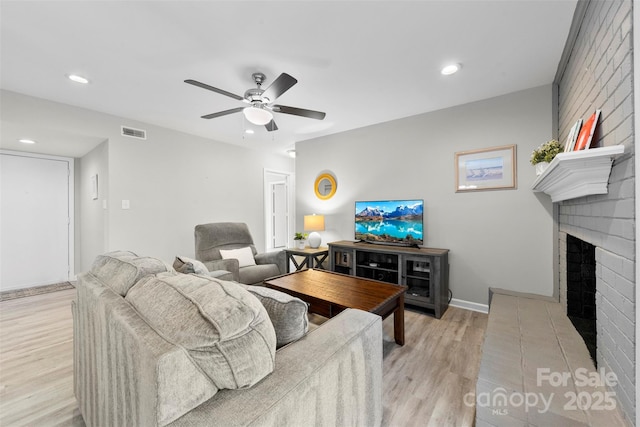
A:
{"x": 261, "y": 101}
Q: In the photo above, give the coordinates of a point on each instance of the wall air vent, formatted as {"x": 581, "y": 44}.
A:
{"x": 133, "y": 133}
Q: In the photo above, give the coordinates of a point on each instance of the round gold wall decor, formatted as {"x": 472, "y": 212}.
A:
{"x": 325, "y": 186}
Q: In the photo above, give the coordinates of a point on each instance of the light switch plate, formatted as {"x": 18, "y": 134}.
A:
{"x": 125, "y": 204}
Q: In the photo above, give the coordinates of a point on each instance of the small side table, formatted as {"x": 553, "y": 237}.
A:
{"x": 313, "y": 258}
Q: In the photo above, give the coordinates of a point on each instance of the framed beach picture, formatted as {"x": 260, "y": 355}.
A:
{"x": 486, "y": 169}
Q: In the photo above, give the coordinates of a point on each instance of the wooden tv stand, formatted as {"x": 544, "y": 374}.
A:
{"x": 425, "y": 271}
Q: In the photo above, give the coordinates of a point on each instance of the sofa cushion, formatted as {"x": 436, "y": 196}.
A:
{"x": 186, "y": 265}
{"x": 288, "y": 314}
{"x": 224, "y": 328}
{"x": 120, "y": 270}
{"x": 243, "y": 255}
{"x": 123, "y": 366}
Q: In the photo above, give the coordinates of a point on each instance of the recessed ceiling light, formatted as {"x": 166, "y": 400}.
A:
{"x": 249, "y": 131}
{"x": 78, "y": 79}
{"x": 451, "y": 69}
{"x": 27, "y": 141}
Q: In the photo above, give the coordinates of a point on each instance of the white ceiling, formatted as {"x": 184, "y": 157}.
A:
{"x": 362, "y": 62}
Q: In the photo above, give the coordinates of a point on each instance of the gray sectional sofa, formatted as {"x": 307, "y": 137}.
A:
{"x": 153, "y": 347}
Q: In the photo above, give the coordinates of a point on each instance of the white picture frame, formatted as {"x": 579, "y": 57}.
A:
{"x": 573, "y": 136}
{"x": 94, "y": 187}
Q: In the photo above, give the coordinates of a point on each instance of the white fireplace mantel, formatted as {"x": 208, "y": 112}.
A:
{"x": 578, "y": 173}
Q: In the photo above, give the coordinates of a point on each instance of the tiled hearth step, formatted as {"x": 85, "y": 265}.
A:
{"x": 536, "y": 370}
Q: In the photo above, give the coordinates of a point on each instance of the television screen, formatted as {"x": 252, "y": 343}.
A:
{"x": 396, "y": 222}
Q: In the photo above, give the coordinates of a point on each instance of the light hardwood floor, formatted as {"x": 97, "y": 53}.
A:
{"x": 425, "y": 381}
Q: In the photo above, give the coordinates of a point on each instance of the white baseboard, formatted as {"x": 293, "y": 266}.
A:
{"x": 468, "y": 305}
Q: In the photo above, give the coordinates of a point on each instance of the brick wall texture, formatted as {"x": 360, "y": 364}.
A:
{"x": 599, "y": 75}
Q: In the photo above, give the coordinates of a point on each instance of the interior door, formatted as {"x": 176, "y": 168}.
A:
{"x": 278, "y": 213}
{"x": 34, "y": 221}
{"x": 279, "y": 218}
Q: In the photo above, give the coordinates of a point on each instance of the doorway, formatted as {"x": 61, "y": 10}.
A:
{"x": 36, "y": 220}
{"x": 278, "y": 197}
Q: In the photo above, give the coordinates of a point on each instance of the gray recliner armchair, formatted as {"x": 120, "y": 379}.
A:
{"x": 211, "y": 238}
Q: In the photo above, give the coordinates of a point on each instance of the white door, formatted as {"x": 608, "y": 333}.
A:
{"x": 279, "y": 218}
{"x": 34, "y": 221}
{"x": 278, "y": 196}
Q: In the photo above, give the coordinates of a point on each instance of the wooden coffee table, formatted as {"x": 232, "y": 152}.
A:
{"x": 328, "y": 293}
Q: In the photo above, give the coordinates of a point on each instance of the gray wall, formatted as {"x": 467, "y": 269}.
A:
{"x": 92, "y": 223}
{"x": 175, "y": 181}
{"x": 599, "y": 75}
{"x": 497, "y": 238}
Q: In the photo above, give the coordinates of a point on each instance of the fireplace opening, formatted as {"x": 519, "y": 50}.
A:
{"x": 581, "y": 290}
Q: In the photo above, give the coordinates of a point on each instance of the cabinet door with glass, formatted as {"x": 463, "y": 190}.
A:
{"x": 417, "y": 277}
{"x": 341, "y": 260}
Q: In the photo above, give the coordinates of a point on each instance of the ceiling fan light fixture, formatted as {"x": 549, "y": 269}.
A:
{"x": 257, "y": 115}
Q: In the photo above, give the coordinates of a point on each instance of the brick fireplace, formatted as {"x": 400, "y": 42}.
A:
{"x": 605, "y": 224}
{"x": 596, "y": 72}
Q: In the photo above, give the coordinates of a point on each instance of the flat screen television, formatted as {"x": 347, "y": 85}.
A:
{"x": 391, "y": 222}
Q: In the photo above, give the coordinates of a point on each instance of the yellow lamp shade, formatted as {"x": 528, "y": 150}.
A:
{"x": 314, "y": 223}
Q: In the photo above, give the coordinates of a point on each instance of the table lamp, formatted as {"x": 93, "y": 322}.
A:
{"x": 314, "y": 223}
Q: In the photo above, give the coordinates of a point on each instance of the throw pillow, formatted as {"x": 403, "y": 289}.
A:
{"x": 243, "y": 255}
{"x": 224, "y": 328}
{"x": 185, "y": 265}
{"x": 120, "y": 270}
{"x": 288, "y": 314}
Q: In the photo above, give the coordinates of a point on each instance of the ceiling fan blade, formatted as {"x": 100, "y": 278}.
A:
{"x": 271, "y": 126}
{"x": 223, "y": 113}
{"x": 318, "y": 115}
{"x": 214, "y": 89}
{"x": 283, "y": 83}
